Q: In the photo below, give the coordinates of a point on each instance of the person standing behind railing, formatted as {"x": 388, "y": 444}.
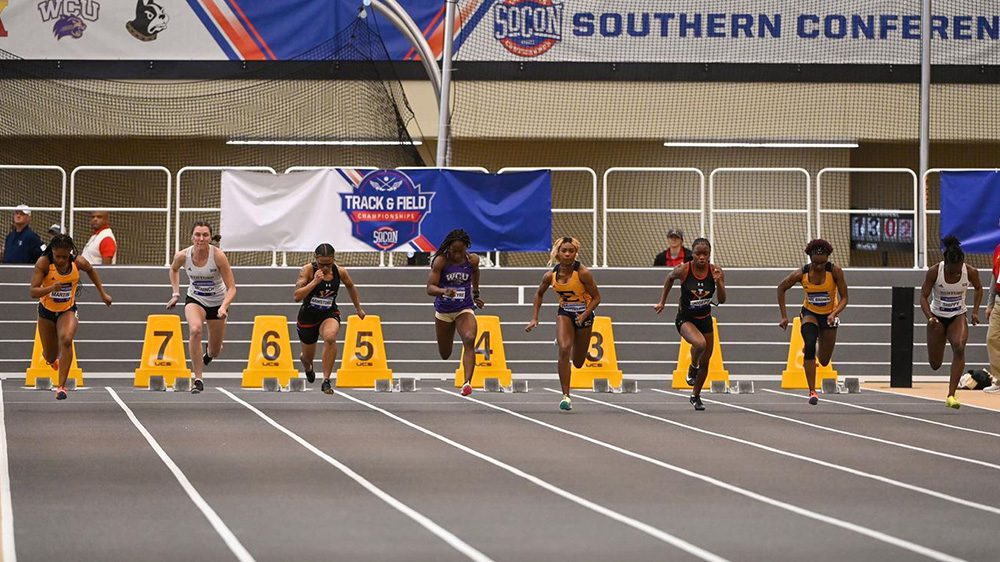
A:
{"x": 22, "y": 244}
{"x": 102, "y": 248}
{"x": 993, "y": 333}
{"x": 676, "y": 253}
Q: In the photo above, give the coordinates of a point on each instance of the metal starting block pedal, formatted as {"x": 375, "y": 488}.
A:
{"x": 492, "y": 384}
{"x": 157, "y": 383}
{"x": 601, "y": 385}
{"x": 853, "y": 385}
{"x": 519, "y": 385}
{"x": 830, "y": 386}
{"x": 271, "y": 384}
{"x": 742, "y": 387}
{"x": 43, "y": 383}
{"x": 407, "y": 384}
{"x": 383, "y": 385}
{"x": 182, "y": 384}
{"x": 297, "y": 385}
{"x": 719, "y": 387}
{"x": 630, "y": 386}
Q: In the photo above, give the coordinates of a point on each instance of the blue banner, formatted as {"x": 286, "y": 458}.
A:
{"x": 970, "y": 209}
{"x": 506, "y": 212}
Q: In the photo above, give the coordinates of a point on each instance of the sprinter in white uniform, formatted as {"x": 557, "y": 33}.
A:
{"x": 211, "y": 290}
{"x": 942, "y": 299}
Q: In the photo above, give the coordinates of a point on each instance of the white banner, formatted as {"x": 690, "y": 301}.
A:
{"x": 292, "y": 212}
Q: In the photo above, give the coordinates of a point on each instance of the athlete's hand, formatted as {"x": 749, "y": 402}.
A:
{"x": 360, "y": 312}
{"x": 58, "y": 287}
{"x": 581, "y": 318}
{"x": 784, "y": 323}
{"x": 480, "y": 303}
{"x": 975, "y": 317}
{"x": 658, "y": 307}
{"x": 933, "y": 320}
{"x": 716, "y": 273}
{"x": 531, "y": 325}
{"x": 449, "y": 293}
{"x": 318, "y": 277}
{"x": 106, "y": 298}
{"x": 172, "y": 302}
{"x": 833, "y": 320}
{"x": 223, "y": 312}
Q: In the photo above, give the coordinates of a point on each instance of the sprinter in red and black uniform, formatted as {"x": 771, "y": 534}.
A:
{"x": 700, "y": 282}
{"x": 316, "y": 289}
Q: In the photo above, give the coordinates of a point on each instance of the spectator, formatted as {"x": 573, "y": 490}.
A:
{"x": 675, "y": 254}
{"x": 53, "y": 230}
{"x": 102, "y": 246}
{"x": 22, "y": 244}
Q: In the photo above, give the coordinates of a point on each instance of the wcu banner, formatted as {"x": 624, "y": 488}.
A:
{"x": 360, "y": 210}
{"x": 970, "y": 209}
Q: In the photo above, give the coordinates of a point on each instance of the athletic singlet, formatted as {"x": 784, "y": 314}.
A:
{"x": 323, "y": 297}
{"x": 948, "y": 299}
{"x": 456, "y": 276}
{"x": 573, "y": 296}
{"x": 697, "y": 293}
{"x": 62, "y": 299}
{"x": 206, "y": 284}
{"x": 821, "y": 298}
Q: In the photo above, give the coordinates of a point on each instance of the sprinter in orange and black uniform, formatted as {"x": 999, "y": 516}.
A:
{"x": 825, "y": 298}
{"x": 54, "y": 283}
{"x": 578, "y": 298}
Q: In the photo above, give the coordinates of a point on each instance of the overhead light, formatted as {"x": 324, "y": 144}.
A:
{"x": 326, "y": 142}
{"x": 744, "y": 144}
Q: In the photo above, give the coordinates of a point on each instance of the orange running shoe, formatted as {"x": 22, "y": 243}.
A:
{"x": 813, "y": 398}
{"x": 61, "y": 394}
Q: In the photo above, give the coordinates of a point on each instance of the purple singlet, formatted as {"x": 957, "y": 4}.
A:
{"x": 458, "y": 277}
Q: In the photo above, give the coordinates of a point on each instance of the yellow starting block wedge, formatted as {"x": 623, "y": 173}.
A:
{"x": 491, "y": 359}
{"x": 716, "y": 366}
{"x": 794, "y": 375}
{"x": 602, "y": 358}
{"x": 364, "y": 359}
{"x": 39, "y": 368}
{"x": 270, "y": 353}
{"x": 162, "y": 351}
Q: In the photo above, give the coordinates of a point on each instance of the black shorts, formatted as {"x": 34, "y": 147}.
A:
{"x": 53, "y": 316}
{"x": 947, "y": 320}
{"x": 572, "y": 316}
{"x": 308, "y": 325}
{"x": 211, "y": 312}
{"x": 703, "y": 325}
{"x": 821, "y": 319}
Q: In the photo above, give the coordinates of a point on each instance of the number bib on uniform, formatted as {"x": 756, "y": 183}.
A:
{"x": 951, "y": 303}
{"x": 818, "y": 299}
{"x": 459, "y": 295}
{"x": 699, "y": 304}
{"x": 204, "y": 288}
{"x": 574, "y": 307}
{"x": 62, "y": 295}
{"x": 321, "y": 303}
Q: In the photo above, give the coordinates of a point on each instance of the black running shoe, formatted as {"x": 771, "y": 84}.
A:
{"x": 311, "y": 376}
{"x": 206, "y": 359}
{"x": 692, "y": 375}
{"x": 696, "y": 402}
{"x": 197, "y": 387}
{"x": 326, "y": 388}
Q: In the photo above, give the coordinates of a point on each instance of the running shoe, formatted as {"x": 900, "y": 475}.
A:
{"x": 566, "y": 403}
{"x": 206, "y": 359}
{"x": 197, "y": 387}
{"x": 311, "y": 376}
{"x": 696, "y": 402}
{"x": 326, "y": 387}
{"x": 466, "y": 389}
{"x": 692, "y": 374}
{"x": 952, "y": 402}
{"x": 813, "y": 398}
{"x": 992, "y": 389}
{"x": 61, "y": 394}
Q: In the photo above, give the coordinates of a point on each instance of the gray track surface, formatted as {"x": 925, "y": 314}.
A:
{"x": 87, "y": 486}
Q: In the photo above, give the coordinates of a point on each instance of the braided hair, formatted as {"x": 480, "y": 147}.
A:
{"x": 60, "y": 241}
{"x": 457, "y": 235}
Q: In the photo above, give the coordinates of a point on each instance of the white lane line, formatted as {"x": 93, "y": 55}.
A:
{"x": 8, "y": 553}
{"x": 458, "y": 544}
{"x": 843, "y": 432}
{"x": 213, "y": 518}
{"x": 877, "y": 535}
{"x": 894, "y": 393}
{"x": 842, "y": 468}
{"x": 894, "y": 414}
{"x": 650, "y": 530}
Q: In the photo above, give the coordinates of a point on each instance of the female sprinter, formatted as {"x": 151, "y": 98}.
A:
{"x": 317, "y": 289}
{"x": 578, "y": 298}
{"x": 822, "y": 281}
{"x": 454, "y": 284}
{"x": 54, "y": 283}
{"x": 700, "y": 281}
{"x": 946, "y": 286}
{"x": 211, "y": 290}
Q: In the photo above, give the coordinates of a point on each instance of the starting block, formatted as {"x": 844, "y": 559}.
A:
{"x": 182, "y": 384}
{"x": 407, "y": 384}
{"x": 383, "y": 385}
{"x": 853, "y": 385}
{"x": 601, "y": 360}
{"x": 270, "y": 353}
{"x": 44, "y": 383}
{"x": 271, "y": 384}
{"x": 157, "y": 383}
{"x": 630, "y": 386}
{"x": 519, "y": 385}
{"x": 492, "y": 384}
{"x": 70, "y": 384}
{"x": 601, "y": 385}
{"x": 830, "y": 386}
{"x": 364, "y": 362}
{"x": 719, "y": 387}
{"x": 163, "y": 353}
{"x": 297, "y": 385}
{"x": 742, "y": 387}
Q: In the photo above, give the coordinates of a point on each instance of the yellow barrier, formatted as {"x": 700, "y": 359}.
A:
{"x": 602, "y": 359}
{"x": 39, "y": 368}
{"x": 364, "y": 354}
{"x": 716, "y": 367}
{"x": 794, "y": 375}
{"x": 491, "y": 359}
{"x": 162, "y": 351}
{"x": 270, "y": 353}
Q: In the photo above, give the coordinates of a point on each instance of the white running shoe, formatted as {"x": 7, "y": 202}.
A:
{"x": 992, "y": 389}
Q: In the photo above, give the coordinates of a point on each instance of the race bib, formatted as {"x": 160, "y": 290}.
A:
{"x": 818, "y": 299}
{"x": 321, "y": 303}
{"x": 459, "y": 295}
{"x": 204, "y": 288}
{"x": 62, "y": 295}
{"x": 951, "y": 304}
{"x": 574, "y": 307}
{"x": 700, "y": 303}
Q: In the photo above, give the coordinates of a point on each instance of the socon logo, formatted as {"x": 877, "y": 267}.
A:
{"x": 386, "y": 209}
{"x": 528, "y": 28}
